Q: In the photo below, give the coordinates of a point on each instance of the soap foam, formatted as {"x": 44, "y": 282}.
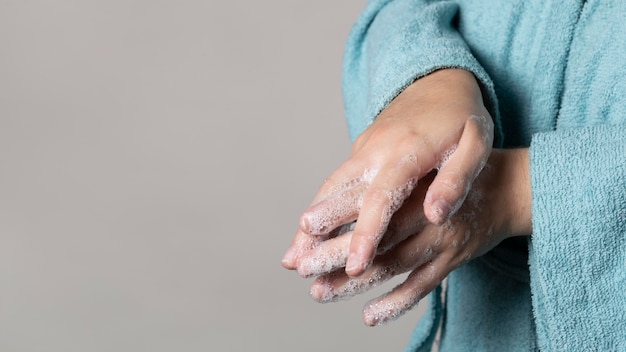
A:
{"x": 358, "y": 285}
{"x": 396, "y": 199}
{"x": 344, "y": 203}
{"x": 328, "y": 214}
{"x": 385, "y": 309}
{"x": 401, "y": 299}
{"x": 324, "y": 261}
{"x": 445, "y": 157}
{"x": 466, "y": 237}
{"x": 485, "y": 125}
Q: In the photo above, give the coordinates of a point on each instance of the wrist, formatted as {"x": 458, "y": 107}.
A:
{"x": 443, "y": 82}
{"x": 514, "y": 192}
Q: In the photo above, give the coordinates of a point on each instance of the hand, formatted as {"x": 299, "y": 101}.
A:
{"x": 497, "y": 207}
{"x": 438, "y": 122}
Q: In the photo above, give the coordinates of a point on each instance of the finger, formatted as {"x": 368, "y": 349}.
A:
{"x": 332, "y": 254}
{"x": 338, "y": 285}
{"x": 405, "y": 222}
{"x": 406, "y": 295}
{"x": 338, "y": 209}
{"x": 300, "y": 244}
{"x": 326, "y": 257}
{"x": 302, "y": 241}
{"x": 408, "y": 220}
{"x": 386, "y": 194}
{"x": 459, "y": 167}
{"x": 350, "y": 173}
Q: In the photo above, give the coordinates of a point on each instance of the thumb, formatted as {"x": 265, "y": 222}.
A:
{"x": 456, "y": 174}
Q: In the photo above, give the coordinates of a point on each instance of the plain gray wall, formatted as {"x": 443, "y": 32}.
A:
{"x": 154, "y": 158}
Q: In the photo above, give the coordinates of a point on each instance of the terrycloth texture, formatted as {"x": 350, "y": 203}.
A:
{"x": 475, "y": 295}
{"x": 555, "y": 72}
{"x": 578, "y": 254}
{"x": 424, "y": 334}
{"x": 382, "y": 57}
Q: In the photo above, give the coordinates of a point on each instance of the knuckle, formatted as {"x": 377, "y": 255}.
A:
{"x": 377, "y": 133}
{"x": 376, "y": 199}
{"x": 359, "y": 142}
{"x": 483, "y": 126}
{"x": 329, "y": 184}
{"x": 453, "y": 184}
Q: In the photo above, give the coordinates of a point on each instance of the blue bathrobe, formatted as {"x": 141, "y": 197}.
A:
{"x": 555, "y": 74}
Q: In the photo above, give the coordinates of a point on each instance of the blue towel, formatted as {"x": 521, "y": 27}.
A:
{"x": 555, "y": 75}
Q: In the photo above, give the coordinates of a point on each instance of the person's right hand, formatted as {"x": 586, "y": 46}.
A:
{"x": 438, "y": 122}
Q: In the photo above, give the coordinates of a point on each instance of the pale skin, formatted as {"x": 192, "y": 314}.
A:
{"x": 408, "y": 217}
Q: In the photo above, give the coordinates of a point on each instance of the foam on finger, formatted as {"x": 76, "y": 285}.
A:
{"x": 328, "y": 256}
{"x": 341, "y": 207}
{"x": 403, "y": 297}
{"x": 301, "y": 244}
{"x": 372, "y": 229}
{"x": 338, "y": 286}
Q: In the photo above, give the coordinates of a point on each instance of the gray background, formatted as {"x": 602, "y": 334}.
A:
{"x": 154, "y": 158}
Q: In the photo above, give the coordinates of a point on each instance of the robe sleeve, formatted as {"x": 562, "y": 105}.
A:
{"x": 395, "y": 42}
{"x": 578, "y": 247}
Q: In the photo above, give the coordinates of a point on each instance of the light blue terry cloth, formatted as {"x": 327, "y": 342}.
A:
{"x": 578, "y": 249}
{"x": 394, "y": 43}
{"x": 488, "y": 305}
{"x": 491, "y": 294}
{"x": 424, "y": 334}
{"x": 524, "y": 45}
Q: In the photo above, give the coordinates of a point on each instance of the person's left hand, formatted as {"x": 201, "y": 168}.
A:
{"x": 498, "y": 206}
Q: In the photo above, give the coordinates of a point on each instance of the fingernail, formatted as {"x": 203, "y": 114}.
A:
{"x": 304, "y": 268}
{"x": 288, "y": 259}
{"x": 440, "y": 210}
{"x": 372, "y": 315}
{"x": 352, "y": 262}
{"x": 378, "y": 312}
{"x": 305, "y": 223}
{"x": 355, "y": 265}
{"x": 321, "y": 293}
